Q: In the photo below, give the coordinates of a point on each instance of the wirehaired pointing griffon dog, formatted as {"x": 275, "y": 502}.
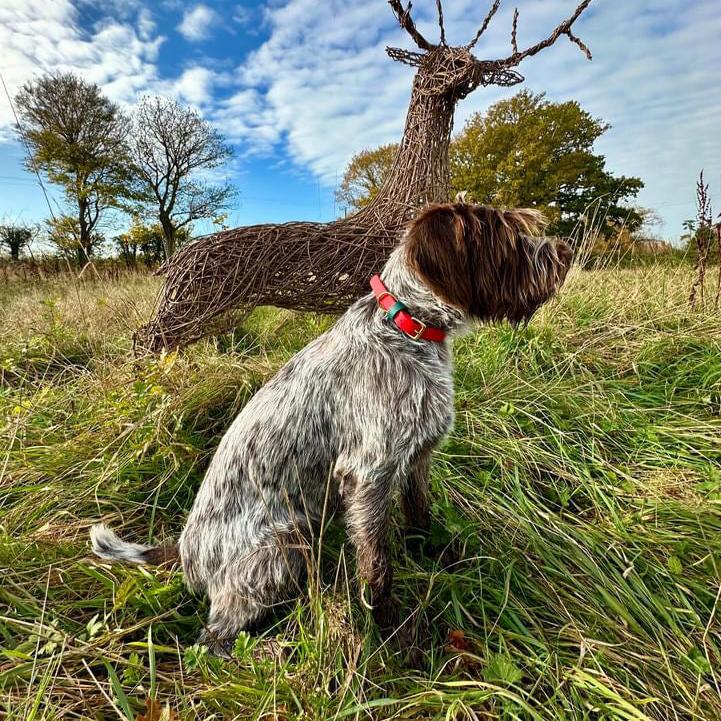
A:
{"x": 364, "y": 404}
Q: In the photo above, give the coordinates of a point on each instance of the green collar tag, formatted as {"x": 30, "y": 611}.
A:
{"x": 395, "y": 309}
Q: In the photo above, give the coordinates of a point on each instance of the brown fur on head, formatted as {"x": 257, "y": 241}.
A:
{"x": 491, "y": 263}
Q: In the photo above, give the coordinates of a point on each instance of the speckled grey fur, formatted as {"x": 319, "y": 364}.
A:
{"x": 356, "y": 406}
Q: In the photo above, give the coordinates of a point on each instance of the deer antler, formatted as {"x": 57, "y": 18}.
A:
{"x": 440, "y": 22}
{"x": 517, "y": 56}
{"x": 563, "y": 29}
{"x": 486, "y": 23}
{"x": 404, "y": 18}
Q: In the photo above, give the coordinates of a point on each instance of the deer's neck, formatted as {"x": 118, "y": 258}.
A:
{"x": 419, "y": 174}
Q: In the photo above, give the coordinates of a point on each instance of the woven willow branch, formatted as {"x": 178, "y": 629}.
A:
{"x": 325, "y": 266}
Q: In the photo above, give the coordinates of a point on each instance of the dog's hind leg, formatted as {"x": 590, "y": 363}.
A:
{"x": 246, "y": 587}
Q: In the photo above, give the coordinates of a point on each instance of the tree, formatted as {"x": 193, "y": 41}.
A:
{"x": 65, "y": 233}
{"x": 16, "y": 238}
{"x": 148, "y": 241}
{"x": 169, "y": 145}
{"x": 77, "y": 137}
{"x": 364, "y": 176}
{"x": 529, "y": 151}
{"x": 524, "y": 151}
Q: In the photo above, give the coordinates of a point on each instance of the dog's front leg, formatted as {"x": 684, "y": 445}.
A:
{"x": 416, "y": 503}
{"x": 415, "y": 495}
{"x": 368, "y": 520}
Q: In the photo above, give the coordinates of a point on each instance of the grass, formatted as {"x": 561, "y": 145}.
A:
{"x": 582, "y": 484}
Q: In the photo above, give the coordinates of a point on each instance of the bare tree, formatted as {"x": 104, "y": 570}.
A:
{"x": 170, "y": 146}
{"x": 77, "y": 137}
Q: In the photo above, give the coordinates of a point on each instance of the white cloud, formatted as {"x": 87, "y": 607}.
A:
{"x": 195, "y": 85}
{"x": 197, "y": 23}
{"x": 39, "y": 36}
{"x": 245, "y": 117}
{"x": 146, "y": 24}
{"x": 312, "y": 82}
{"x": 242, "y": 15}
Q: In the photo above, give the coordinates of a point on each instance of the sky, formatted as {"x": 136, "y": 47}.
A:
{"x": 298, "y": 86}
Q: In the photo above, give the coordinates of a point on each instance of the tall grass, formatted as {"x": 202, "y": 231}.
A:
{"x": 581, "y": 487}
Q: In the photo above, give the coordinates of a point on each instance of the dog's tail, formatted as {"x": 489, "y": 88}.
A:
{"x": 106, "y": 544}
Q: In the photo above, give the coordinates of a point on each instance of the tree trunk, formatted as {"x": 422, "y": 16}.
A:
{"x": 168, "y": 237}
{"x": 14, "y": 251}
{"x": 82, "y": 252}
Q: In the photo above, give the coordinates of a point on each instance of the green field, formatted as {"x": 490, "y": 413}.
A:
{"x": 581, "y": 488}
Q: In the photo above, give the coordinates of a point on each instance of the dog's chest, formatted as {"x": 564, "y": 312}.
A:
{"x": 438, "y": 405}
{"x": 428, "y": 386}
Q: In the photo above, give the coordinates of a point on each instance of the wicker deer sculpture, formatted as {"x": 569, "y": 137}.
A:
{"x": 325, "y": 266}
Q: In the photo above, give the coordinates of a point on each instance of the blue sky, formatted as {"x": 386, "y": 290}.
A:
{"x": 298, "y": 86}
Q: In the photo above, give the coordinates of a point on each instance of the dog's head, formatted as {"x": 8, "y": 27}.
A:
{"x": 490, "y": 263}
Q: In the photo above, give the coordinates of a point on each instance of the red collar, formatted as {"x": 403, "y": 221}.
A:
{"x": 397, "y": 312}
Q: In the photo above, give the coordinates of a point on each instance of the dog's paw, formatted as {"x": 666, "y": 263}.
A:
{"x": 218, "y": 646}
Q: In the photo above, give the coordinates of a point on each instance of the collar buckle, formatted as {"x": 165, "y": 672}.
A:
{"x": 421, "y": 330}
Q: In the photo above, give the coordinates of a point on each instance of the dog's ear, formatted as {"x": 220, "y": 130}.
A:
{"x": 436, "y": 250}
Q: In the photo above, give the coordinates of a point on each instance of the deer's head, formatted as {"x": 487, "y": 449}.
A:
{"x": 455, "y": 71}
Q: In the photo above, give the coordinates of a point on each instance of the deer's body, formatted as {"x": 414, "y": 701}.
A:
{"x": 325, "y": 266}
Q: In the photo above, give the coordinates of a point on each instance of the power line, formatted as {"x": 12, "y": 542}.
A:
{"x": 27, "y": 146}
{"x": 14, "y": 179}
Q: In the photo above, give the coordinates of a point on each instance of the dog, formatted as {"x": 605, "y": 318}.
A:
{"x": 350, "y": 422}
